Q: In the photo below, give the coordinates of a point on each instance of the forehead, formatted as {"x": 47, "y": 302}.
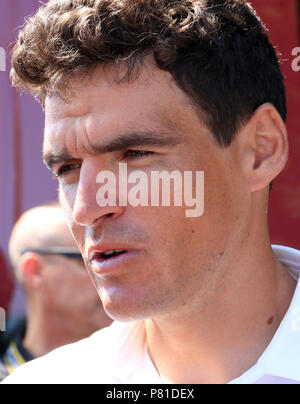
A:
{"x": 103, "y": 86}
{"x": 98, "y": 103}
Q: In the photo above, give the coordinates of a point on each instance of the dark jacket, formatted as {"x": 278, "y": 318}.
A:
{"x": 12, "y": 352}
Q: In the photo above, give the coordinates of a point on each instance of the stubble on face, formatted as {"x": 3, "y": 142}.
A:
{"x": 182, "y": 256}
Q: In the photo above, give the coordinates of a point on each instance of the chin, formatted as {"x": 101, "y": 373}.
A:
{"x": 127, "y": 302}
{"x": 125, "y": 309}
{"x": 124, "y": 314}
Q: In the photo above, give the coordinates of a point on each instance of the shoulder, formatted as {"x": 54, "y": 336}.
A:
{"x": 92, "y": 360}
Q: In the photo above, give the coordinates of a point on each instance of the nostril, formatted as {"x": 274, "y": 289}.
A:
{"x": 101, "y": 217}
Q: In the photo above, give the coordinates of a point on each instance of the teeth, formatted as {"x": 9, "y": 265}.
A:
{"x": 110, "y": 252}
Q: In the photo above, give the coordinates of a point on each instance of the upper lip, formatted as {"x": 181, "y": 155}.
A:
{"x": 94, "y": 250}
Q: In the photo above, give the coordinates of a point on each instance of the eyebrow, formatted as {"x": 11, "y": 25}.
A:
{"x": 121, "y": 142}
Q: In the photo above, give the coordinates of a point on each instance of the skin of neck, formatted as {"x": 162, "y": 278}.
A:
{"x": 47, "y": 330}
{"x": 45, "y": 333}
{"x": 234, "y": 322}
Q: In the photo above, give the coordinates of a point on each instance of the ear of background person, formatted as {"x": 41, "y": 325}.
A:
{"x": 25, "y": 182}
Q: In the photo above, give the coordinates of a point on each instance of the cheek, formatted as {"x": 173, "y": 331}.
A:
{"x": 66, "y": 199}
{"x": 67, "y": 195}
{"x": 223, "y": 221}
{"x": 168, "y": 229}
{"x": 79, "y": 235}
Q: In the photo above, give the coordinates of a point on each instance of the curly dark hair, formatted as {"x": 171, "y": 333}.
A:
{"x": 217, "y": 51}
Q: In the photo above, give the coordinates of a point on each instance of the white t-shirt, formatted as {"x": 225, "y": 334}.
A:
{"x": 118, "y": 354}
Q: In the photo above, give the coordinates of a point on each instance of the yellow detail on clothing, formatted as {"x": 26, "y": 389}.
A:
{"x": 17, "y": 354}
{"x": 9, "y": 366}
{"x": 13, "y": 358}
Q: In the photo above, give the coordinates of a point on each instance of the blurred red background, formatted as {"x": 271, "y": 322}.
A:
{"x": 283, "y": 22}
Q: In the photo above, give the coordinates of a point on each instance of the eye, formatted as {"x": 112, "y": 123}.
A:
{"x": 63, "y": 170}
{"x": 137, "y": 154}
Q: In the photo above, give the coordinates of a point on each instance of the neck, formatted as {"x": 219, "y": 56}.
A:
{"x": 230, "y": 330}
{"x": 45, "y": 332}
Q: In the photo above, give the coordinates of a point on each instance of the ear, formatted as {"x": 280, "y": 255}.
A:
{"x": 267, "y": 147}
{"x": 31, "y": 269}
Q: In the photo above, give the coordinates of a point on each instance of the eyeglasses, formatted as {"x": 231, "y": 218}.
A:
{"x": 71, "y": 253}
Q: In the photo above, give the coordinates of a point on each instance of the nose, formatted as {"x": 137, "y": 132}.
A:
{"x": 87, "y": 211}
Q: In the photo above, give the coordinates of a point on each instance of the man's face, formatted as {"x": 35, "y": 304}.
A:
{"x": 171, "y": 262}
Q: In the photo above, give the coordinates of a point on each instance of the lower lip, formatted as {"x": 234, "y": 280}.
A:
{"x": 118, "y": 263}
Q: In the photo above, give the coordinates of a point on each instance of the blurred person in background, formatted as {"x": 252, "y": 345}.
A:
{"x": 62, "y": 305}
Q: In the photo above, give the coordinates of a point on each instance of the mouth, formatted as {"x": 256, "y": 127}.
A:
{"x": 112, "y": 261}
{"x": 107, "y": 255}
